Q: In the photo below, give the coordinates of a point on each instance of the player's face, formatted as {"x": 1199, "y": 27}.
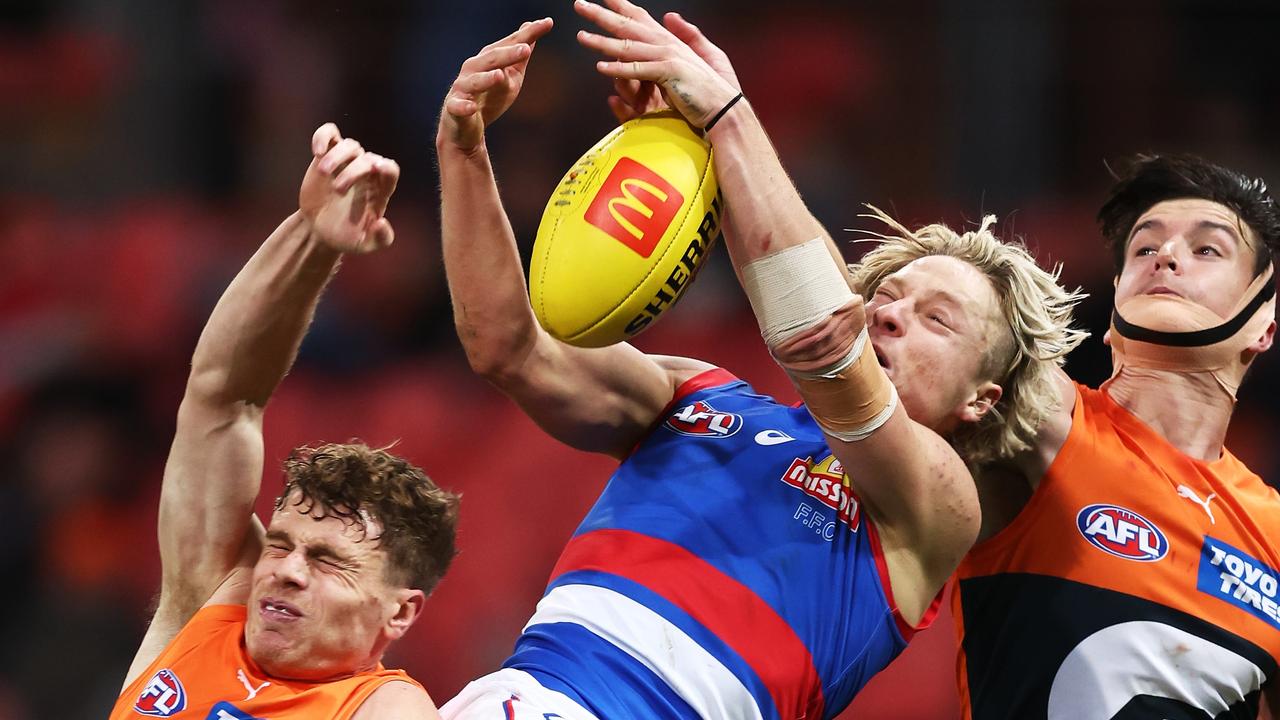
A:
{"x": 1195, "y": 249}
{"x": 320, "y": 606}
{"x": 932, "y": 324}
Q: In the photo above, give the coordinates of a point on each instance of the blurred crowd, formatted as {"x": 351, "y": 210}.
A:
{"x": 150, "y": 145}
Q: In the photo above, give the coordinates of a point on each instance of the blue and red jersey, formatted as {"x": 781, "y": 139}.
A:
{"x": 726, "y": 571}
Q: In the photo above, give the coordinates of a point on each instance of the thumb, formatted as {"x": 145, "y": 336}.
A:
{"x": 467, "y": 127}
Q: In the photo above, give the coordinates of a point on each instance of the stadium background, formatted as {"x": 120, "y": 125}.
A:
{"x": 150, "y": 145}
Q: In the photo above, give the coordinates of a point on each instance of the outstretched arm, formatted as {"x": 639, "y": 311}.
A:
{"x": 601, "y": 399}
{"x": 903, "y": 467}
{"x": 212, "y": 477}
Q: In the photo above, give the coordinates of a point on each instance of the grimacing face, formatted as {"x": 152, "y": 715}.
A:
{"x": 1191, "y": 248}
{"x": 932, "y": 325}
{"x": 320, "y": 607}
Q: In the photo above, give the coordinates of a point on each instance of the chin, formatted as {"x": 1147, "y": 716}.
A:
{"x": 274, "y": 653}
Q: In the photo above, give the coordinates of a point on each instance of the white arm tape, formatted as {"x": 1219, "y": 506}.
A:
{"x": 794, "y": 289}
{"x": 832, "y": 371}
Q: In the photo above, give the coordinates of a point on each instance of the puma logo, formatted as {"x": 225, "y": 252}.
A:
{"x": 253, "y": 691}
{"x": 1188, "y": 493}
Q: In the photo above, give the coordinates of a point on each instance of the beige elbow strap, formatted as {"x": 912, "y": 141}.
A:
{"x": 852, "y": 400}
{"x": 793, "y": 290}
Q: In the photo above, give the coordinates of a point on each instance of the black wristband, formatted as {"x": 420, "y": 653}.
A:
{"x": 723, "y": 110}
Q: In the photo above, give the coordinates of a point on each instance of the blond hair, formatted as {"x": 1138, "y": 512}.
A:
{"x": 1037, "y": 312}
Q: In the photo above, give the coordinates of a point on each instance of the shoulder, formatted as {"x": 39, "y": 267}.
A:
{"x": 681, "y": 369}
{"x": 171, "y": 631}
{"x": 398, "y": 698}
{"x": 1053, "y": 432}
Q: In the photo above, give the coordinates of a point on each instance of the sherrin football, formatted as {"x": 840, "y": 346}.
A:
{"x": 625, "y": 232}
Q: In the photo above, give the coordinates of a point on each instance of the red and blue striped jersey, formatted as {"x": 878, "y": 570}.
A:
{"x": 727, "y": 571}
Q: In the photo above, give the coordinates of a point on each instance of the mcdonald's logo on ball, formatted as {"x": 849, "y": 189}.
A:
{"x": 625, "y": 232}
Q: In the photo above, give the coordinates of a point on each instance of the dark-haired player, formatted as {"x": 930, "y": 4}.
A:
{"x": 1128, "y": 564}
{"x": 290, "y": 621}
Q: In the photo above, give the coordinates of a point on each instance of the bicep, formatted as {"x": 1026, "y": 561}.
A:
{"x": 914, "y": 484}
{"x": 211, "y": 480}
{"x": 595, "y": 399}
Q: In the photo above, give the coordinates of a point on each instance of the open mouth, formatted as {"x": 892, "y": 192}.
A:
{"x": 278, "y": 610}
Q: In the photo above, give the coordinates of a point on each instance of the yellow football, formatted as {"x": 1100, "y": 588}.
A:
{"x": 625, "y": 232}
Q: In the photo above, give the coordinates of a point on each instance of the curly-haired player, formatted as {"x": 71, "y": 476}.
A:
{"x": 289, "y": 621}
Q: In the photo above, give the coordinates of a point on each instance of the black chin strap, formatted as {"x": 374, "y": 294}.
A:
{"x": 1194, "y": 338}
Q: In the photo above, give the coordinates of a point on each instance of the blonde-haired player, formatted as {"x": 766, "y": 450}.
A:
{"x": 747, "y": 559}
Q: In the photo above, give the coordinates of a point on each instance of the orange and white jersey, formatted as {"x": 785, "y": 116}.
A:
{"x": 206, "y": 674}
{"x": 1136, "y": 583}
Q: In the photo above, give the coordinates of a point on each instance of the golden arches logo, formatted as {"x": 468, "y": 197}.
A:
{"x": 629, "y": 200}
{"x": 635, "y": 206}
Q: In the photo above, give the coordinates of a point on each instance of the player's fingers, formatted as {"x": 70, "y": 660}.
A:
{"x": 690, "y": 35}
{"x": 355, "y": 170}
{"x": 341, "y": 154}
{"x": 476, "y": 83}
{"x": 622, "y": 110}
{"x": 387, "y": 176}
{"x": 460, "y": 106}
{"x": 621, "y": 48}
{"x": 612, "y": 22}
{"x": 498, "y": 57}
{"x": 526, "y": 33}
{"x": 324, "y": 138}
{"x": 381, "y": 234}
{"x": 629, "y": 9}
{"x": 653, "y": 70}
{"x": 388, "y": 171}
{"x": 627, "y": 90}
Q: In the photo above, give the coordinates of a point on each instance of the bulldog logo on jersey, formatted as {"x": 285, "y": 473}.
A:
{"x": 702, "y": 420}
{"x": 162, "y": 696}
{"x": 826, "y": 482}
{"x": 1122, "y": 532}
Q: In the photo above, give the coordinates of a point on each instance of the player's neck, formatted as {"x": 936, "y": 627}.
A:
{"x": 1190, "y": 409}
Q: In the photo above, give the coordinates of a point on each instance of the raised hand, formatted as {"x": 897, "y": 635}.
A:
{"x": 345, "y": 193}
{"x": 487, "y": 85}
{"x": 695, "y": 76}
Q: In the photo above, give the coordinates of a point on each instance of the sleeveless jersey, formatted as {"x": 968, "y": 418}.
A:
{"x": 205, "y": 673}
{"x": 725, "y": 572}
{"x": 1136, "y": 583}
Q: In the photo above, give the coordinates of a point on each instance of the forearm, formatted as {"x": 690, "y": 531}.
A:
{"x": 482, "y": 264}
{"x": 764, "y": 210}
{"x": 254, "y": 332}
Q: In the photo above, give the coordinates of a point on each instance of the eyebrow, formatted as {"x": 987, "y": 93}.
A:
{"x": 1234, "y": 232}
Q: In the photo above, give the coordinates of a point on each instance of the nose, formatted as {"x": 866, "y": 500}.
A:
{"x": 888, "y": 317}
{"x": 1166, "y": 256}
{"x": 292, "y": 569}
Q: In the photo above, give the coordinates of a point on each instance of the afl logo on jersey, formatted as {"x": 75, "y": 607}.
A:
{"x": 702, "y": 420}
{"x": 162, "y": 696}
{"x": 1122, "y": 532}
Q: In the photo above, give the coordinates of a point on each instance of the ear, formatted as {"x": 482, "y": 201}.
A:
{"x": 409, "y": 603}
{"x": 1106, "y": 338}
{"x": 1263, "y": 343}
{"x": 980, "y": 403}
